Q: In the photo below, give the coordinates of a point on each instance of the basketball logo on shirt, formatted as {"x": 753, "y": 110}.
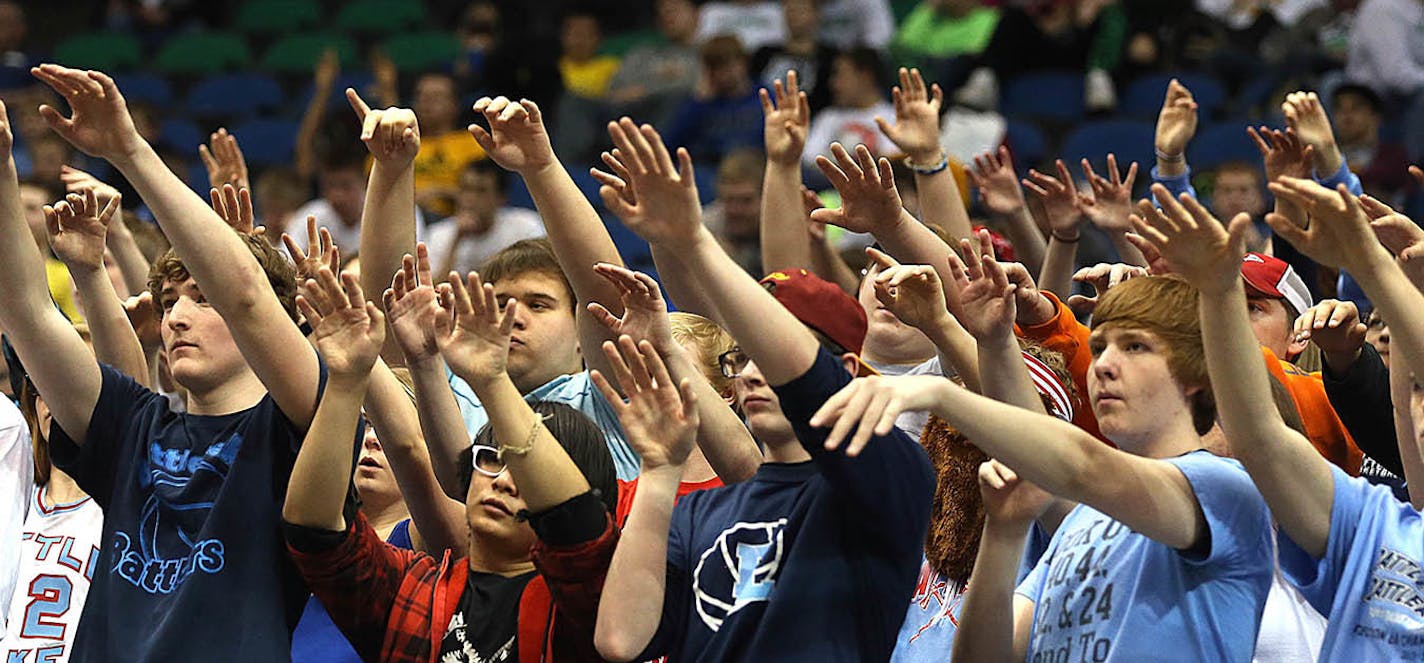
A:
{"x": 739, "y": 569}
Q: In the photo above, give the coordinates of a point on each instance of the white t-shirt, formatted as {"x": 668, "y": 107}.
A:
{"x": 756, "y": 25}
{"x": 17, "y": 471}
{"x": 849, "y": 23}
{"x": 850, "y": 127}
{"x": 511, "y": 224}
{"x": 57, "y": 560}
{"x": 347, "y": 238}
{"x": 1291, "y": 630}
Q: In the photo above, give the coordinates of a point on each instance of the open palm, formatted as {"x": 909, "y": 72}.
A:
{"x": 413, "y": 308}
{"x": 516, "y": 138}
{"x": 472, "y": 335}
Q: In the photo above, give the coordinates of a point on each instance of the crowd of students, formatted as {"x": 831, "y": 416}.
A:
{"x": 270, "y": 452}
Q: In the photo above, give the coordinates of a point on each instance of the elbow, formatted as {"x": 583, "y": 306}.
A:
{"x": 613, "y": 644}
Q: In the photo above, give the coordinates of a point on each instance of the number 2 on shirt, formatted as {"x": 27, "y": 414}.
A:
{"x": 49, "y": 600}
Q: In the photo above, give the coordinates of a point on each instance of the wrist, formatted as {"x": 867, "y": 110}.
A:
{"x": 84, "y": 270}
{"x": 540, "y": 171}
{"x": 998, "y": 529}
{"x": 1040, "y": 311}
{"x": 928, "y": 163}
{"x": 1065, "y": 235}
{"x": 926, "y": 155}
{"x": 130, "y": 152}
{"x": 347, "y": 380}
{"x": 668, "y": 474}
{"x": 1338, "y": 362}
{"x": 1328, "y": 161}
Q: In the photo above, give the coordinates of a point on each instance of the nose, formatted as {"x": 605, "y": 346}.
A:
{"x": 504, "y": 483}
{"x": 1105, "y": 364}
{"x": 177, "y": 315}
{"x": 752, "y": 375}
{"x": 370, "y": 441}
{"x": 521, "y": 315}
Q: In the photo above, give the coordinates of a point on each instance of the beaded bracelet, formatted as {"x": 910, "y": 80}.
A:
{"x": 928, "y": 170}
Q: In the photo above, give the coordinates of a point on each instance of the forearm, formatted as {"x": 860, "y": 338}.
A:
{"x": 683, "y": 289}
{"x": 957, "y": 351}
{"x": 1001, "y": 367}
{"x": 1057, "y": 274}
{"x": 576, "y": 231}
{"x": 132, "y": 264}
{"x": 721, "y": 435}
{"x": 316, "y": 491}
{"x": 304, "y": 155}
{"x": 1027, "y": 239}
{"x": 440, "y": 421}
{"x": 22, "y": 271}
{"x": 1400, "y": 386}
{"x": 828, "y": 264}
{"x": 941, "y": 205}
{"x": 912, "y": 243}
{"x": 387, "y": 235}
{"x": 633, "y": 593}
{"x": 986, "y": 617}
{"x": 1291, "y": 475}
{"x": 784, "y": 234}
{"x": 115, "y": 342}
{"x": 1125, "y": 250}
{"x": 546, "y": 476}
{"x": 439, "y": 518}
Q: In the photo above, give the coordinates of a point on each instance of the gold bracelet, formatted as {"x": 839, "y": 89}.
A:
{"x": 528, "y": 442}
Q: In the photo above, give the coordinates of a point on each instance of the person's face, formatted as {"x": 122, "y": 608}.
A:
{"x": 728, "y": 79}
{"x": 741, "y": 207}
{"x": 32, "y": 200}
{"x": 345, "y": 190}
{"x": 580, "y": 37}
{"x": 48, "y": 158}
{"x": 801, "y": 17}
{"x": 1273, "y": 325}
{"x": 760, "y": 406}
{"x": 848, "y": 83}
{"x": 1237, "y": 191}
{"x": 490, "y": 508}
{"x": 479, "y": 194}
{"x": 1130, "y": 386}
{"x": 545, "y": 340}
{"x": 202, "y": 354}
{"x": 885, "y": 334}
{"x": 375, "y": 482}
{"x": 1377, "y": 335}
{"x": 435, "y": 102}
{"x": 1355, "y": 121}
{"x": 677, "y": 19}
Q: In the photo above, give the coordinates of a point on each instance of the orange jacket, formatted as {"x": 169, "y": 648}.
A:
{"x": 1322, "y": 424}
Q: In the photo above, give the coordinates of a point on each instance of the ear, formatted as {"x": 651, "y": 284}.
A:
{"x": 851, "y": 363}
{"x": 1296, "y": 347}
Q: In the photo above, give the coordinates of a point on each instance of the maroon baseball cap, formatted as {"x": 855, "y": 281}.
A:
{"x": 820, "y": 305}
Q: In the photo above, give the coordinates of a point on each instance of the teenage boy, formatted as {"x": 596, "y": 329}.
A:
{"x": 1167, "y": 539}
{"x": 738, "y": 573}
{"x": 1352, "y": 549}
{"x": 191, "y": 500}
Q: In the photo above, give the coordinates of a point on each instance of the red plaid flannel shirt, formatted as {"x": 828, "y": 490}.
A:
{"x": 395, "y": 605}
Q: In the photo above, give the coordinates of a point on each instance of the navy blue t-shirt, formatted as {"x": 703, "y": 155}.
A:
{"x": 809, "y": 561}
{"x": 194, "y": 566}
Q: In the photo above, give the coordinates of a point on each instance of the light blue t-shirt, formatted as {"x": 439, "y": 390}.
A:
{"x": 1369, "y": 583}
{"x": 576, "y": 391}
{"x": 1105, "y": 593}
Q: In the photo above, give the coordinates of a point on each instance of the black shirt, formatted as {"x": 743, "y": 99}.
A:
{"x": 486, "y": 622}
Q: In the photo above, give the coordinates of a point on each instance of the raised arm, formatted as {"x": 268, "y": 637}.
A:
{"x": 784, "y": 242}
{"x": 1176, "y": 125}
{"x": 224, "y": 161}
{"x": 517, "y": 141}
{"x": 1064, "y": 213}
{"x": 474, "y": 339}
{"x": 77, "y": 228}
{"x": 392, "y": 135}
{"x": 1305, "y": 115}
{"x": 996, "y": 620}
{"x": 1292, "y": 477}
{"x": 348, "y": 331}
{"x": 916, "y": 133}
{"x": 229, "y": 275}
{"x": 987, "y": 309}
{"x": 999, "y": 192}
{"x": 304, "y": 157}
{"x": 660, "y": 420}
{"x": 1110, "y": 205}
{"x": 132, "y": 262}
{"x": 59, "y": 362}
{"x": 1284, "y": 153}
{"x": 916, "y": 296}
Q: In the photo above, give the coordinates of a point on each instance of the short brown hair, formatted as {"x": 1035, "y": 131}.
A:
{"x": 742, "y": 165}
{"x": 281, "y": 273}
{"x": 523, "y": 257}
{"x": 722, "y": 50}
{"x": 710, "y": 340}
{"x": 1167, "y": 307}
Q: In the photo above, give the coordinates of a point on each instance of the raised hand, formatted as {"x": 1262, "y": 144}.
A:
{"x": 660, "y": 417}
{"x": 1177, "y": 121}
{"x": 998, "y": 184}
{"x": 913, "y": 293}
{"x": 1334, "y": 326}
{"x": 657, "y": 199}
{"x": 77, "y": 227}
{"x": 1195, "y": 244}
{"x": 235, "y": 208}
{"x": 99, "y": 124}
{"x": 986, "y": 306}
{"x": 1059, "y": 199}
{"x": 869, "y": 200}
{"x": 1306, "y": 116}
{"x": 413, "y": 307}
{"x": 78, "y": 181}
{"x": 786, "y": 121}
{"x": 7, "y": 136}
{"x": 1102, "y": 277}
{"x": 644, "y": 311}
{"x": 516, "y": 139}
{"x": 1339, "y": 234}
{"x": 224, "y": 161}
{"x": 323, "y": 252}
{"x": 1283, "y": 152}
{"x": 472, "y": 334}
{"x": 870, "y": 406}
{"x": 1111, "y": 202}
{"x": 1009, "y": 500}
{"x": 916, "y": 128}
{"x": 146, "y": 320}
{"x": 1156, "y": 264}
{"x": 1033, "y": 307}
{"x": 1395, "y": 231}
{"x": 392, "y": 135}
{"x": 347, "y": 330}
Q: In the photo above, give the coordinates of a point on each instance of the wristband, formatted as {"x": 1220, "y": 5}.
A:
{"x": 1169, "y": 158}
{"x": 928, "y": 170}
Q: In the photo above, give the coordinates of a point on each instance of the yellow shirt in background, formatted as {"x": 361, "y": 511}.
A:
{"x": 439, "y": 163}
{"x": 589, "y": 79}
{"x": 61, "y": 289}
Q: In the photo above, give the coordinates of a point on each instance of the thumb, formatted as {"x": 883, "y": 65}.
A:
{"x": 885, "y": 127}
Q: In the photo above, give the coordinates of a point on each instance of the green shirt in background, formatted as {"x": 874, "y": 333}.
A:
{"x": 926, "y": 32}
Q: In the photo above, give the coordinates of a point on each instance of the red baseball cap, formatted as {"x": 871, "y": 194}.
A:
{"x": 1275, "y": 278}
{"x": 820, "y": 305}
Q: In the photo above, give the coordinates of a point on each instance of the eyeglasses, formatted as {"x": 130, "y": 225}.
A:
{"x": 732, "y": 363}
{"x": 487, "y": 461}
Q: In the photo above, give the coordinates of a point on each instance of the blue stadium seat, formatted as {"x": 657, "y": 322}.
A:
{"x": 144, "y": 88}
{"x": 1143, "y": 98}
{"x": 1220, "y": 143}
{"x": 1054, "y": 96}
{"x": 267, "y": 142}
{"x": 181, "y": 135}
{"x": 234, "y": 95}
{"x": 1128, "y": 140}
{"x": 1027, "y": 144}
{"x": 359, "y": 80}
